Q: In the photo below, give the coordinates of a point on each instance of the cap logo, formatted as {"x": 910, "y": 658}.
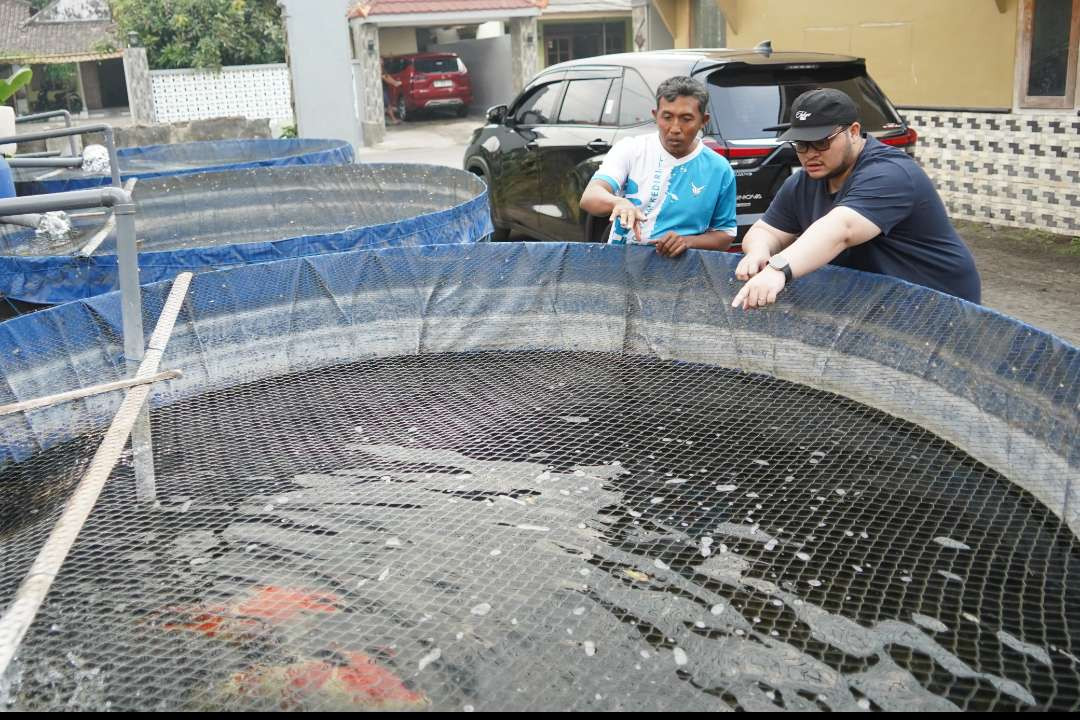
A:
{"x": 803, "y": 115}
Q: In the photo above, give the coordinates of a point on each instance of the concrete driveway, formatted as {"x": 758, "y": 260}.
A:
{"x": 437, "y": 140}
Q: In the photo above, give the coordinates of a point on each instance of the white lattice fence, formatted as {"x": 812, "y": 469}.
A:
{"x": 251, "y": 91}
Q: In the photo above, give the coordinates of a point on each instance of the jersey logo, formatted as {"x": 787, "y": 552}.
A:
{"x": 695, "y": 189}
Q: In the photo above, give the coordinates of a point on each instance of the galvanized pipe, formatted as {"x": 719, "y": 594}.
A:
{"x": 33, "y": 220}
{"x": 74, "y": 200}
{"x": 51, "y": 114}
{"x": 106, "y": 130}
{"x": 45, "y": 162}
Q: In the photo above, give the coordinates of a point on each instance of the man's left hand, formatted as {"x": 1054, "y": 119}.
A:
{"x": 672, "y": 244}
{"x": 760, "y": 290}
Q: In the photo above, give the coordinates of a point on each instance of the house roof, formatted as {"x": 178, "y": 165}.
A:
{"x": 64, "y": 31}
{"x": 575, "y": 7}
{"x": 377, "y": 10}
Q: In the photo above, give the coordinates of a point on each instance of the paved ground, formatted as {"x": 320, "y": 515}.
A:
{"x": 432, "y": 141}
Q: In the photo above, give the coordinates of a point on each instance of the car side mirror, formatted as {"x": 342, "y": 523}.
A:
{"x": 497, "y": 115}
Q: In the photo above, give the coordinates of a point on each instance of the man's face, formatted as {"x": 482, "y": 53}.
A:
{"x": 679, "y": 120}
{"x": 841, "y": 155}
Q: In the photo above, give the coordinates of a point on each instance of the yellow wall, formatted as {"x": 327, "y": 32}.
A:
{"x": 940, "y": 53}
{"x": 397, "y": 41}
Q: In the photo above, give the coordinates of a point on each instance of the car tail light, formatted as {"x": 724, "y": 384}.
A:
{"x": 906, "y": 141}
{"x": 742, "y": 156}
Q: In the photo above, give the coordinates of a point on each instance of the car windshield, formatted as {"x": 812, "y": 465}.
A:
{"x": 744, "y": 102}
{"x": 436, "y": 65}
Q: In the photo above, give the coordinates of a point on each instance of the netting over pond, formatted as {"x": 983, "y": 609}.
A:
{"x": 210, "y": 221}
{"x": 549, "y": 476}
{"x": 152, "y": 161}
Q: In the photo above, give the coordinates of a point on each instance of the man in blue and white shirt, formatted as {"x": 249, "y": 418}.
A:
{"x": 667, "y": 188}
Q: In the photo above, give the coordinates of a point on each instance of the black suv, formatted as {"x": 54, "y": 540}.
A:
{"x": 538, "y": 154}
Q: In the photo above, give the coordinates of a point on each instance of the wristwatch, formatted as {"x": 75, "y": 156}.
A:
{"x": 779, "y": 262}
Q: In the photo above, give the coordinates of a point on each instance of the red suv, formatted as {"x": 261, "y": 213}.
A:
{"x": 429, "y": 81}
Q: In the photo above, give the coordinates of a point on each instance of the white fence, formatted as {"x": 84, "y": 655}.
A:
{"x": 251, "y": 91}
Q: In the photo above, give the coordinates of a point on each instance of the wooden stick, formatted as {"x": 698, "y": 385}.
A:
{"x": 21, "y": 613}
{"x": 50, "y": 400}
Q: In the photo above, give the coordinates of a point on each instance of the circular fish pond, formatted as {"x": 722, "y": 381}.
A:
{"x": 546, "y": 530}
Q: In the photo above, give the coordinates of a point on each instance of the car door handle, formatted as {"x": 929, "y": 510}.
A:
{"x": 598, "y": 145}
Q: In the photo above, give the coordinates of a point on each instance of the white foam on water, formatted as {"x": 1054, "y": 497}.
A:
{"x": 929, "y": 623}
{"x": 1034, "y": 651}
{"x": 429, "y": 658}
{"x": 951, "y": 544}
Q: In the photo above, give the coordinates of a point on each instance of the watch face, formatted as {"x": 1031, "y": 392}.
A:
{"x": 778, "y": 263}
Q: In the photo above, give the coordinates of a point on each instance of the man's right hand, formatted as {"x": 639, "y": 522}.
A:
{"x": 630, "y": 216}
{"x": 752, "y": 263}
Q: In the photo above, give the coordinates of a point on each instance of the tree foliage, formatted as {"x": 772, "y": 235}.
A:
{"x": 203, "y": 33}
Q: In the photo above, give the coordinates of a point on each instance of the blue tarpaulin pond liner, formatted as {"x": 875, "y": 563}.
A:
{"x": 153, "y": 161}
{"x": 211, "y": 221}
{"x": 549, "y": 476}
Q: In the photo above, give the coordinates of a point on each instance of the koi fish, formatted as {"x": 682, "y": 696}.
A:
{"x": 348, "y": 681}
{"x": 248, "y": 615}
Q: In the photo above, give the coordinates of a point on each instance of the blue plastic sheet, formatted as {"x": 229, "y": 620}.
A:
{"x": 359, "y": 193}
{"x": 1002, "y": 390}
{"x": 182, "y": 158}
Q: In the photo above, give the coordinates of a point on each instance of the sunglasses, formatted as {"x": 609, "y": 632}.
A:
{"x": 802, "y": 146}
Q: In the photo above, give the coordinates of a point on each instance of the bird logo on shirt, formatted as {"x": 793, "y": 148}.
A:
{"x": 695, "y": 189}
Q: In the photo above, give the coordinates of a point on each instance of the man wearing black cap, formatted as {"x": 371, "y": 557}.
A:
{"x": 858, "y": 203}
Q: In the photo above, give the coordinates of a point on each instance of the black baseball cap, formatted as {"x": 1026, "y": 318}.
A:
{"x": 816, "y": 113}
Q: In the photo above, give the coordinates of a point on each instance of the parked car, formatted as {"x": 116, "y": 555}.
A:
{"x": 538, "y": 153}
{"x": 429, "y": 81}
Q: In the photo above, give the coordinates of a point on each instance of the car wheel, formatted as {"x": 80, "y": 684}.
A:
{"x": 462, "y": 111}
{"x": 500, "y": 232}
{"x": 402, "y": 111}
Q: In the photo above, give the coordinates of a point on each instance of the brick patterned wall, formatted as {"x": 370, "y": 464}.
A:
{"x": 1014, "y": 169}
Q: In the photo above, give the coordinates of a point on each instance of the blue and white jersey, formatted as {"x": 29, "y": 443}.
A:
{"x": 690, "y": 195}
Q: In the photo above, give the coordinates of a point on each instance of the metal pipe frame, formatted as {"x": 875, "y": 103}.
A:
{"x": 51, "y": 114}
{"x": 127, "y": 258}
{"x": 45, "y": 162}
{"x": 106, "y": 130}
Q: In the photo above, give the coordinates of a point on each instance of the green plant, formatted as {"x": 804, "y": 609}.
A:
{"x": 203, "y": 33}
{"x": 14, "y": 83}
{"x": 289, "y": 132}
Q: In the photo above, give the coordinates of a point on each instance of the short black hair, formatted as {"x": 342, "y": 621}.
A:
{"x": 683, "y": 86}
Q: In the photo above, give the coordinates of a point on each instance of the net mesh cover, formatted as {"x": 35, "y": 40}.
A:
{"x": 502, "y": 477}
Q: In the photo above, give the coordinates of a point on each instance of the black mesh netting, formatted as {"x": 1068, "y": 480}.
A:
{"x": 545, "y": 530}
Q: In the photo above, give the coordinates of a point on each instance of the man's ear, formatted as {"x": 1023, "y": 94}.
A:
{"x": 856, "y": 129}
{"x": 654, "y": 114}
{"x": 705, "y": 121}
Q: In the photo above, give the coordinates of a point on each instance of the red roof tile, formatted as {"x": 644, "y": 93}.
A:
{"x": 368, "y": 8}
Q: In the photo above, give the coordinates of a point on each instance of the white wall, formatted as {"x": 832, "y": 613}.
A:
{"x": 488, "y": 62}
{"x": 320, "y": 56}
{"x": 397, "y": 41}
{"x": 250, "y": 91}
